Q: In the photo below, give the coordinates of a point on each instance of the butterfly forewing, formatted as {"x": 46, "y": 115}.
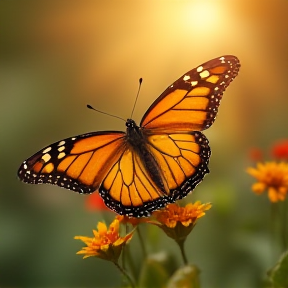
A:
{"x": 191, "y": 103}
{"x": 78, "y": 163}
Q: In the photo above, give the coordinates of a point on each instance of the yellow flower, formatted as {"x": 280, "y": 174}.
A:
{"x": 106, "y": 243}
{"x": 177, "y": 222}
{"x": 273, "y": 177}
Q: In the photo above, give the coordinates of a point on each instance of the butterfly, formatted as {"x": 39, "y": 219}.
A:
{"x": 150, "y": 165}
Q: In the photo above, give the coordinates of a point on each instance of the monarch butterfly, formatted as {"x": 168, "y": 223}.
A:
{"x": 151, "y": 165}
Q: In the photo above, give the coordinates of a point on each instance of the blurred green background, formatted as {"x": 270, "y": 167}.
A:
{"x": 57, "y": 56}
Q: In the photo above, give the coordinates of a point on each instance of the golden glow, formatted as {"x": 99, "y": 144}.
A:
{"x": 203, "y": 14}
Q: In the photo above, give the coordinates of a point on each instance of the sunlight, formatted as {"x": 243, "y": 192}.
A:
{"x": 204, "y": 15}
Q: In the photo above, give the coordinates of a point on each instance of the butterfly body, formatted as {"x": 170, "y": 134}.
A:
{"x": 153, "y": 164}
{"x": 137, "y": 142}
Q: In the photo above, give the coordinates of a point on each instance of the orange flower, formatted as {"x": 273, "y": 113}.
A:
{"x": 106, "y": 243}
{"x": 177, "y": 222}
{"x": 273, "y": 177}
{"x": 280, "y": 150}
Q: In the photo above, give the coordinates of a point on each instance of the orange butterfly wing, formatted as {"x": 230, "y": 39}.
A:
{"x": 173, "y": 155}
{"x": 79, "y": 163}
{"x": 182, "y": 159}
{"x": 129, "y": 189}
{"x": 191, "y": 103}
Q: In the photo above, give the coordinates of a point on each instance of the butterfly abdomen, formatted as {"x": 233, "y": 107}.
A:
{"x": 137, "y": 141}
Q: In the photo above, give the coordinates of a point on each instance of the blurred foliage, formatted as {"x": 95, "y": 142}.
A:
{"x": 187, "y": 276}
{"x": 153, "y": 274}
{"x": 278, "y": 275}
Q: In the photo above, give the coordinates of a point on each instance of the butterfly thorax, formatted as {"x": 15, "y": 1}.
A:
{"x": 130, "y": 123}
{"x": 137, "y": 141}
{"x": 134, "y": 134}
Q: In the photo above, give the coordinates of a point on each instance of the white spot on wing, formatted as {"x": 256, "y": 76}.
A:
{"x": 204, "y": 74}
{"x": 199, "y": 69}
{"x": 46, "y": 150}
{"x": 61, "y": 148}
{"x": 186, "y": 77}
{"x": 46, "y": 157}
{"x": 61, "y": 155}
{"x": 61, "y": 143}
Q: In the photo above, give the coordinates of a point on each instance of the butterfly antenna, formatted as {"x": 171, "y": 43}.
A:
{"x": 140, "y": 82}
{"x": 92, "y": 108}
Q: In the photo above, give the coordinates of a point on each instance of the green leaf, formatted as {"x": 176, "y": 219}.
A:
{"x": 187, "y": 276}
{"x": 278, "y": 275}
{"x": 154, "y": 272}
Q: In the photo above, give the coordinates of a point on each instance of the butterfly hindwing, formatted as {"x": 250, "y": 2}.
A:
{"x": 78, "y": 163}
{"x": 180, "y": 156}
{"x": 191, "y": 102}
{"x": 129, "y": 189}
{"x": 183, "y": 159}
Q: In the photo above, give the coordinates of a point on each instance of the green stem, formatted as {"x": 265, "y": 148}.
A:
{"x": 181, "y": 246}
{"x": 126, "y": 257}
{"x": 273, "y": 228}
{"x": 126, "y": 275}
{"x": 284, "y": 227}
{"x": 124, "y": 250}
{"x": 141, "y": 242}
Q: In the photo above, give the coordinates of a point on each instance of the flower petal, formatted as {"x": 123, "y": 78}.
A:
{"x": 102, "y": 228}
